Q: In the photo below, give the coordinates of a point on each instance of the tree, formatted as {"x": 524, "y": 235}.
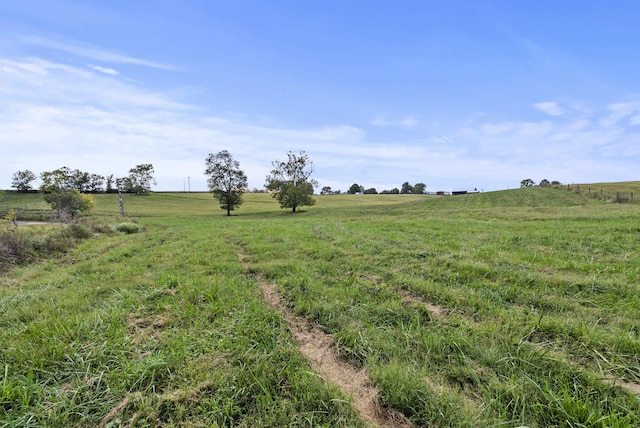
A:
{"x": 394, "y": 191}
{"x": 406, "y": 188}
{"x": 95, "y": 183}
{"x": 371, "y": 191}
{"x": 355, "y": 189}
{"x": 226, "y": 180}
{"x": 67, "y": 203}
{"x": 140, "y": 179}
{"x": 58, "y": 189}
{"x": 22, "y": 180}
{"x": 527, "y": 182}
{"x": 56, "y": 180}
{"x": 110, "y": 181}
{"x": 291, "y": 181}
{"x": 420, "y": 188}
{"x": 326, "y": 190}
{"x": 80, "y": 180}
{"x": 544, "y": 183}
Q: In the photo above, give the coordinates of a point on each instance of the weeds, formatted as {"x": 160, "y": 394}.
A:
{"x": 127, "y": 228}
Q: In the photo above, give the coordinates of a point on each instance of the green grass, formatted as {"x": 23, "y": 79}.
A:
{"x": 626, "y": 192}
{"x": 495, "y": 309}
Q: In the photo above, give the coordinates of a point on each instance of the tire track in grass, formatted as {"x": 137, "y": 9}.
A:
{"x": 320, "y": 349}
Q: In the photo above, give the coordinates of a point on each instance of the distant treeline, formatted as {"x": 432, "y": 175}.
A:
{"x": 138, "y": 181}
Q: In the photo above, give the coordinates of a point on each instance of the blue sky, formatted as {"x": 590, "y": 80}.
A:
{"x": 454, "y": 94}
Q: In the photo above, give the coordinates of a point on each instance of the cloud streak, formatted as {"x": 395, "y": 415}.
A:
{"x": 104, "y": 70}
{"x": 550, "y": 107}
{"x": 92, "y": 52}
{"x": 406, "y": 122}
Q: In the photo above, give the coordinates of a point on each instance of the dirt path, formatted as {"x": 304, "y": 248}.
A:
{"x": 319, "y": 348}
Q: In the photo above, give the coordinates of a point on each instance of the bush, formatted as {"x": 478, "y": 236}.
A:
{"x": 59, "y": 241}
{"x": 38, "y": 243}
{"x": 127, "y": 228}
{"x": 13, "y": 248}
{"x": 98, "y": 226}
{"x": 20, "y": 246}
{"x": 80, "y": 231}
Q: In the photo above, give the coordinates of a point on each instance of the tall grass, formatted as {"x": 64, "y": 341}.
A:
{"x": 497, "y": 309}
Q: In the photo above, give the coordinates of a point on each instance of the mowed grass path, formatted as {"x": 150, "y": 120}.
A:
{"x": 497, "y": 309}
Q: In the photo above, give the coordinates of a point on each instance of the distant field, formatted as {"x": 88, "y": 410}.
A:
{"x": 625, "y": 192}
{"x": 511, "y": 308}
{"x": 627, "y": 186}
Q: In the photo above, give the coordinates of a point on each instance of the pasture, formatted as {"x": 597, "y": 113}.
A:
{"x": 498, "y": 309}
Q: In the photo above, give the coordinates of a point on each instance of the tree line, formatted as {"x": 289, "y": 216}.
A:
{"x": 527, "y": 182}
{"x": 289, "y": 181}
{"x": 357, "y": 189}
{"x": 138, "y": 181}
{"x": 69, "y": 191}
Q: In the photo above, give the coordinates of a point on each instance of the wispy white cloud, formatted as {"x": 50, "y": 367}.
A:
{"x": 406, "y": 122}
{"x": 104, "y": 70}
{"x": 550, "y": 107}
{"x": 92, "y": 52}
{"x": 602, "y": 144}
{"x": 618, "y": 111}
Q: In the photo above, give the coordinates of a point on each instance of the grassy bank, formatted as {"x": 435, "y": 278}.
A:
{"x": 495, "y": 309}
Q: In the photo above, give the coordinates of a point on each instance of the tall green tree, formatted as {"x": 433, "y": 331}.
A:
{"x": 406, "y": 188}
{"x": 419, "y": 188}
{"x": 140, "y": 179}
{"x": 355, "y": 188}
{"x": 58, "y": 179}
{"x": 226, "y": 180}
{"x": 58, "y": 189}
{"x": 22, "y": 180}
{"x": 291, "y": 182}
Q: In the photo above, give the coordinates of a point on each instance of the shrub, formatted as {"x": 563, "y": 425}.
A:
{"x": 22, "y": 245}
{"x": 59, "y": 241}
{"x": 13, "y": 248}
{"x": 38, "y": 243}
{"x": 127, "y": 228}
{"x": 80, "y": 231}
{"x": 99, "y": 226}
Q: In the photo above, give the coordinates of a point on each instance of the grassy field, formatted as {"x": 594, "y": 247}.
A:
{"x": 512, "y": 308}
{"x": 626, "y": 192}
